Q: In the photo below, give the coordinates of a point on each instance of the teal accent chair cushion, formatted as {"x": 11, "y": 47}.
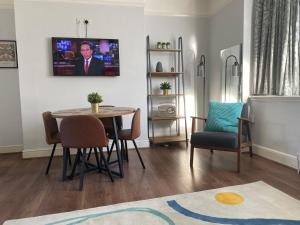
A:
{"x": 222, "y": 117}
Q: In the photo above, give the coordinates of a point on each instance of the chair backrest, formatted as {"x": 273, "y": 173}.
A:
{"x": 245, "y": 110}
{"x": 51, "y": 128}
{"x": 107, "y": 122}
{"x": 136, "y": 124}
{"x": 82, "y": 132}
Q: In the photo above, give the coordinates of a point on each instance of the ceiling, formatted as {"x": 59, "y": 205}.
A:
{"x": 153, "y": 7}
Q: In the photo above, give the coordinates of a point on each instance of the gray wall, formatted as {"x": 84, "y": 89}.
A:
{"x": 10, "y": 117}
{"x": 225, "y": 30}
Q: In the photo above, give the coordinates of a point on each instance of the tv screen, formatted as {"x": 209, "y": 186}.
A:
{"x": 85, "y": 57}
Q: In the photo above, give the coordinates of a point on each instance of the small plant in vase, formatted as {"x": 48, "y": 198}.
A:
{"x": 165, "y": 87}
{"x": 95, "y": 99}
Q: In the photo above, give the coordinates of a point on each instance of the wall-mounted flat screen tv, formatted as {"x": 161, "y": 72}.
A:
{"x": 85, "y": 57}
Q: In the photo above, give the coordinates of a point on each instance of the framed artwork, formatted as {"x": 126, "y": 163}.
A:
{"x": 8, "y": 54}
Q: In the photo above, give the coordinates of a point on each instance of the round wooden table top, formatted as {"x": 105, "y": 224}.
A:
{"x": 103, "y": 112}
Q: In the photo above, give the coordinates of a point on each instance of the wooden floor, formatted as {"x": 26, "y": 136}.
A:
{"x": 25, "y": 191}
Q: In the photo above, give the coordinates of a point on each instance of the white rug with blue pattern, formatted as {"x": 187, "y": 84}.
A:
{"x": 250, "y": 204}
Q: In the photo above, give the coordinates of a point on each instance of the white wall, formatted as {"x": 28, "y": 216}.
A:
{"x": 193, "y": 31}
{"x": 10, "y": 119}
{"x": 37, "y": 22}
{"x": 225, "y": 30}
{"x": 276, "y": 132}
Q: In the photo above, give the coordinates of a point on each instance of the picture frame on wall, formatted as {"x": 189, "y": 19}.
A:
{"x": 8, "y": 54}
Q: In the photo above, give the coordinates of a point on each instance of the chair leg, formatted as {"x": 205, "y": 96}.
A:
{"x": 77, "y": 160}
{"x": 123, "y": 151}
{"x": 211, "y": 151}
{"x": 192, "y": 156}
{"x": 126, "y": 149}
{"x": 137, "y": 151}
{"x": 65, "y": 164}
{"x": 82, "y": 169}
{"x": 110, "y": 151}
{"x": 89, "y": 155}
{"x": 238, "y": 160}
{"x": 106, "y": 165}
{"x": 50, "y": 160}
{"x": 69, "y": 156}
{"x": 97, "y": 159}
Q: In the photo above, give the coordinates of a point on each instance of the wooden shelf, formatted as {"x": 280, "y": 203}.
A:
{"x": 164, "y": 74}
{"x": 163, "y": 50}
{"x": 158, "y": 118}
{"x": 167, "y": 139}
{"x": 169, "y": 95}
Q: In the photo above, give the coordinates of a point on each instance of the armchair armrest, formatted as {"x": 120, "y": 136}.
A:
{"x": 194, "y": 122}
{"x": 199, "y": 118}
{"x": 244, "y": 120}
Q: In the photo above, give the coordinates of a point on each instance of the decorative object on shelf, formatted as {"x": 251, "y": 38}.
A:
{"x": 235, "y": 72}
{"x": 163, "y": 45}
{"x": 165, "y": 86}
{"x": 201, "y": 71}
{"x": 95, "y": 99}
{"x": 168, "y": 45}
{"x": 8, "y": 54}
{"x": 166, "y": 110}
{"x": 172, "y": 69}
{"x": 159, "y": 67}
{"x": 158, "y": 45}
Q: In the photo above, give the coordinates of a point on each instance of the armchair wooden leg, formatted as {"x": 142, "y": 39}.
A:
{"x": 211, "y": 151}
{"x": 192, "y": 156}
{"x": 250, "y": 150}
{"x": 238, "y": 160}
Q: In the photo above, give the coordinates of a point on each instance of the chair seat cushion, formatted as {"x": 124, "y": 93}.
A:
{"x": 222, "y": 117}
{"x": 125, "y": 134}
{"x": 215, "y": 139}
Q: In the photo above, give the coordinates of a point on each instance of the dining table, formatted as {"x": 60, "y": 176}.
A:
{"x": 104, "y": 112}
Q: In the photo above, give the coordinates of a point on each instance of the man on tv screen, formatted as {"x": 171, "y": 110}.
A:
{"x": 88, "y": 65}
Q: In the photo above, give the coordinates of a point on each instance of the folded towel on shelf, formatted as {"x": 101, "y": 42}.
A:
{"x": 165, "y": 110}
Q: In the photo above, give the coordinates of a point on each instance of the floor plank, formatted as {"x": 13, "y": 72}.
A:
{"x": 25, "y": 190}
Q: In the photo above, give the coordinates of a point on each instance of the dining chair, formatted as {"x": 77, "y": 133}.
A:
{"x": 224, "y": 141}
{"x": 107, "y": 123}
{"x": 52, "y": 136}
{"x": 83, "y": 132}
{"x": 132, "y": 134}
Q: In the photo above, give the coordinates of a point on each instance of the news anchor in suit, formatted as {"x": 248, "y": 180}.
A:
{"x": 88, "y": 65}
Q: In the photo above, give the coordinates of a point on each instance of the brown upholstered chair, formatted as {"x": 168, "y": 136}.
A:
{"x": 132, "y": 134}
{"x": 84, "y": 132}
{"x": 107, "y": 123}
{"x": 52, "y": 135}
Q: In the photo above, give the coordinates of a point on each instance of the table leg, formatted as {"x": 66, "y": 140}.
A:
{"x": 116, "y": 139}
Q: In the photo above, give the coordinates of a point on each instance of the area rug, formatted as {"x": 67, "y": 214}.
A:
{"x": 250, "y": 204}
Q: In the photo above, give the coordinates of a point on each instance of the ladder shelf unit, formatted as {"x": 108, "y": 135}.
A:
{"x": 177, "y": 98}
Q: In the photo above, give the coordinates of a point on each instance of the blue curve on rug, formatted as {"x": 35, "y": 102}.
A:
{"x": 80, "y": 219}
{"x": 256, "y": 221}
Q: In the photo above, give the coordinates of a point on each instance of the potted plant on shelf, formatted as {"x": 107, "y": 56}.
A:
{"x": 95, "y": 99}
{"x": 165, "y": 87}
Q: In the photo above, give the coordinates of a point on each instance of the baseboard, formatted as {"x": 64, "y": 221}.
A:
{"x": 11, "y": 149}
{"x": 46, "y": 152}
{"x": 275, "y": 155}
